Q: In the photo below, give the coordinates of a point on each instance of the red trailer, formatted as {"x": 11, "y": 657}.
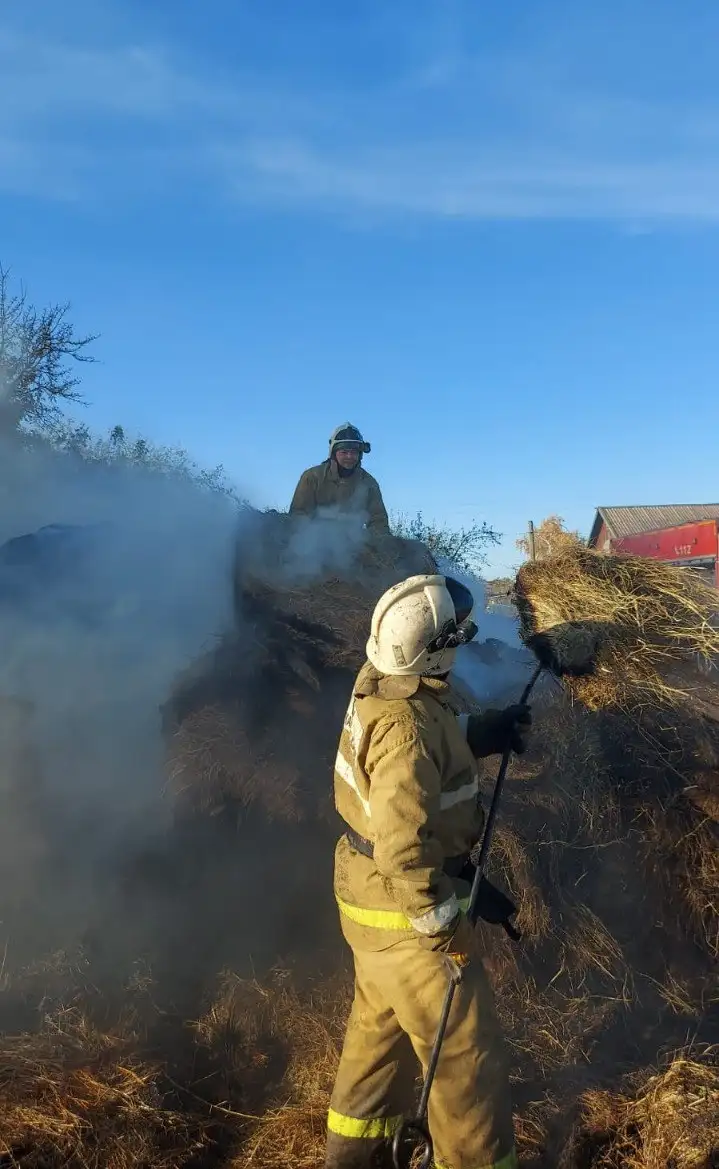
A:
{"x": 694, "y": 545}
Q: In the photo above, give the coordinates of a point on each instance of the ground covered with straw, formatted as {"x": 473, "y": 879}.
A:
{"x": 199, "y": 1024}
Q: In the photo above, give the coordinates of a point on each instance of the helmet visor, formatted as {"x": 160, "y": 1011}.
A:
{"x": 462, "y": 599}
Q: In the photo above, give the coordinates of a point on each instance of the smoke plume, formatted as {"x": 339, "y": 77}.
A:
{"x": 494, "y": 667}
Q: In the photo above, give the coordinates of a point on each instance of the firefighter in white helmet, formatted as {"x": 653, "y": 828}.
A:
{"x": 340, "y": 485}
{"x": 406, "y": 786}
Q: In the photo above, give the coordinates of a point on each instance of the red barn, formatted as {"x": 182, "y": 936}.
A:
{"x": 685, "y": 533}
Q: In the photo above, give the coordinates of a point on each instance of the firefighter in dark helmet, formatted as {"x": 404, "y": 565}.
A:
{"x": 340, "y": 485}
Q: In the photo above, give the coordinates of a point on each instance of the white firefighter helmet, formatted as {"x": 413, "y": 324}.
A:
{"x": 418, "y": 624}
{"x": 348, "y": 435}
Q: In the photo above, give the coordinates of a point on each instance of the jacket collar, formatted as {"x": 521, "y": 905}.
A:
{"x": 371, "y": 681}
{"x": 442, "y": 690}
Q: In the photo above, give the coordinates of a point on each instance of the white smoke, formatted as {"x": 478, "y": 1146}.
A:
{"x": 93, "y": 640}
{"x": 92, "y": 643}
{"x": 495, "y": 667}
{"x": 326, "y": 544}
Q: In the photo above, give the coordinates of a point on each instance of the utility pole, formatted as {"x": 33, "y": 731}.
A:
{"x": 532, "y": 545}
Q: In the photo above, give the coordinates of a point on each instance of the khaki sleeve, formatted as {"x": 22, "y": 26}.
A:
{"x": 304, "y": 500}
{"x": 404, "y": 795}
{"x": 378, "y": 519}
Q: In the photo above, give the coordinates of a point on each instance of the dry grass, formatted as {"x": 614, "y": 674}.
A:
{"x": 74, "y": 1096}
{"x": 668, "y": 1120}
{"x": 512, "y": 859}
{"x": 651, "y": 618}
{"x": 561, "y": 1031}
{"x": 683, "y": 845}
{"x": 289, "y": 1043}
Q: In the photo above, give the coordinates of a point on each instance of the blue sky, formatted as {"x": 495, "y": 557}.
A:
{"x": 485, "y": 233}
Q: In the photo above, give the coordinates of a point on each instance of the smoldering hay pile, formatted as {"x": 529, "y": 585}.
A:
{"x": 163, "y": 1054}
{"x": 253, "y": 723}
{"x": 608, "y": 842}
{"x": 655, "y": 703}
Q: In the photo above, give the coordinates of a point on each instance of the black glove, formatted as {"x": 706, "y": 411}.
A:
{"x": 491, "y": 732}
{"x": 494, "y": 907}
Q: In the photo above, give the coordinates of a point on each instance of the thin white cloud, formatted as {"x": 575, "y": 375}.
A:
{"x": 48, "y": 79}
{"x": 464, "y": 181}
{"x": 42, "y": 82}
{"x": 490, "y": 140}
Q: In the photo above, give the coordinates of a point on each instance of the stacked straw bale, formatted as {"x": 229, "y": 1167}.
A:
{"x": 655, "y": 705}
{"x": 290, "y": 663}
{"x": 657, "y": 624}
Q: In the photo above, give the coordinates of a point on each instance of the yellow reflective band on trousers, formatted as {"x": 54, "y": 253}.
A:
{"x": 508, "y": 1162}
{"x": 351, "y": 1126}
{"x": 399, "y": 992}
{"x": 384, "y": 919}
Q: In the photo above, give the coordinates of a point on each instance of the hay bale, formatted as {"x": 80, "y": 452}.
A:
{"x": 212, "y": 764}
{"x": 255, "y": 721}
{"x": 278, "y": 548}
{"x": 661, "y": 761}
{"x": 656, "y": 714}
{"x": 613, "y": 963}
{"x": 655, "y": 622}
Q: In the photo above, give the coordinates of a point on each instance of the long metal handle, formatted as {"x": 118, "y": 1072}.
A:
{"x": 415, "y": 1130}
{"x": 486, "y": 844}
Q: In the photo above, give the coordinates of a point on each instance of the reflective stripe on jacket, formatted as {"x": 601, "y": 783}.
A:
{"x": 406, "y": 780}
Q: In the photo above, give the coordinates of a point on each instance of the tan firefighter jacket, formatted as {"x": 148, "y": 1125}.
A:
{"x": 406, "y": 780}
{"x": 359, "y": 493}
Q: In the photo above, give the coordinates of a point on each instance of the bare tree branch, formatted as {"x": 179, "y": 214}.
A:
{"x": 36, "y": 349}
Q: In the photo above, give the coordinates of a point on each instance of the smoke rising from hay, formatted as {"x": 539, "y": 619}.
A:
{"x": 114, "y": 580}
{"x": 495, "y": 667}
{"x": 96, "y": 619}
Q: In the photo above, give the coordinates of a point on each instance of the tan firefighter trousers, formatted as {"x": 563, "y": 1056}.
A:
{"x": 398, "y": 999}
